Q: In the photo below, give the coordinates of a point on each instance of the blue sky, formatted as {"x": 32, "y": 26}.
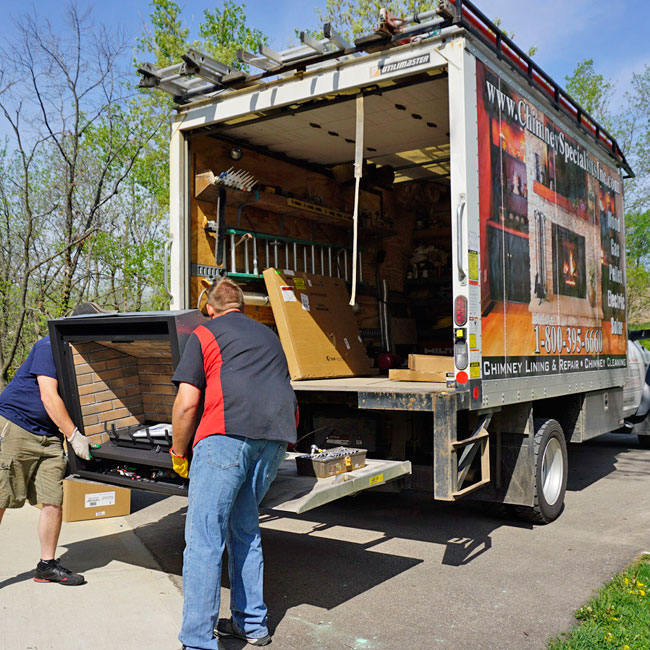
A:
{"x": 614, "y": 34}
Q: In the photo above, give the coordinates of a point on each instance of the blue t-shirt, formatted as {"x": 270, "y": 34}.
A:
{"x": 21, "y": 402}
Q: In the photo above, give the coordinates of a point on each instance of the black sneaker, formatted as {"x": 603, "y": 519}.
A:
{"x": 226, "y": 627}
{"x": 54, "y": 572}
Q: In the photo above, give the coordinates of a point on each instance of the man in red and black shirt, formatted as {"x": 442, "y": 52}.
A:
{"x": 238, "y": 368}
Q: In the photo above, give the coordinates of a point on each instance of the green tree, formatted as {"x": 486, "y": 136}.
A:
{"x": 72, "y": 146}
{"x": 634, "y": 138}
{"x": 355, "y": 18}
{"x": 592, "y": 91}
{"x": 221, "y": 33}
{"x": 224, "y": 31}
{"x": 637, "y": 238}
{"x": 165, "y": 38}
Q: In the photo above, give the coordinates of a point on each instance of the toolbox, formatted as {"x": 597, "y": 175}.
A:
{"x": 331, "y": 462}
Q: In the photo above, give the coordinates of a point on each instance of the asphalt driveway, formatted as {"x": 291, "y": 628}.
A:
{"x": 384, "y": 571}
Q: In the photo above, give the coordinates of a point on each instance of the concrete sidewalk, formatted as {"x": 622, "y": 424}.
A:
{"x": 128, "y": 604}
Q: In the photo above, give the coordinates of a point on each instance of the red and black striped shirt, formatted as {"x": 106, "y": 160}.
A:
{"x": 241, "y": 367}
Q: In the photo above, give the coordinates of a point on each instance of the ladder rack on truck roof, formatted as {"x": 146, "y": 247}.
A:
{"x": 200, "y": 76}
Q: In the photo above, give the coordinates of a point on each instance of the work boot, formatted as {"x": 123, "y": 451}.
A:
{"x": 52, "y": 571}
{"x": 226, "y": 627}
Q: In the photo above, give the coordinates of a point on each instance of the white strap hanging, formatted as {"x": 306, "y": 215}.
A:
{"x": 358, "y": 171}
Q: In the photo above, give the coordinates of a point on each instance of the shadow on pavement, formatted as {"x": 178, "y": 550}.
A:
{"x": 600, "y": 457}
{"x": 344, "y": 548}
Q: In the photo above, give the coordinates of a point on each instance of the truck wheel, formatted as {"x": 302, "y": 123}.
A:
{"x": 550, "y": 474}
{"x": 644, "y": 441}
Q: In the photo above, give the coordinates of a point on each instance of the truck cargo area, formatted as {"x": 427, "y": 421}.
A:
{"x": 297, "y": 218}
{"x": 298, "y": 215}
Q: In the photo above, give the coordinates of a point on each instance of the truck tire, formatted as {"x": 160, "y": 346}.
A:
{"x": 550, "y": 474}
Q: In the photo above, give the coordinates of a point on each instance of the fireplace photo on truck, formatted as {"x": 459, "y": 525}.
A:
{"x": 569, "y": 265}
{"x": 566, "y": 270}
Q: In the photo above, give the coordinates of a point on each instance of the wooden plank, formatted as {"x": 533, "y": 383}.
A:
{"x": 430, "y": 363}
{"x": 366, "y": 385}
{"x": 399, "y": 374}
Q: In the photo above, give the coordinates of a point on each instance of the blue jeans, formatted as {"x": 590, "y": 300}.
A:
{"x": 229, "y": 476}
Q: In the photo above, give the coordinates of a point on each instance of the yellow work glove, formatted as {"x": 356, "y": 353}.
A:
{"x": 180, "y": 464}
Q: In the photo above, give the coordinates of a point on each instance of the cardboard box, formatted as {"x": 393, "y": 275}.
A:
{"x": 398, "y": 374}
{"x": 431, "y": 363}
{"x": 316, "y": 325}
{"x": 84, "y": 500}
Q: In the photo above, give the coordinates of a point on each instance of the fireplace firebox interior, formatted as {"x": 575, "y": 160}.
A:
{"x": 569, "y": 268}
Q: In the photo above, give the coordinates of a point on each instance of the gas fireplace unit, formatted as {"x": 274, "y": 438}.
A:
{"x": 115, "y": 379}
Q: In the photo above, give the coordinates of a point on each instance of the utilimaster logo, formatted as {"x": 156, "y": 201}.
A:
{"x": 394, "y": 66}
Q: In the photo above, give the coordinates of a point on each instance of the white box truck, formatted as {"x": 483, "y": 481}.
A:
{"x": 472, "y": 208}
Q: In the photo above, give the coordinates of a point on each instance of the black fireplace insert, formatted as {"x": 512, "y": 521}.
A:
{"x": 115, "y": 379}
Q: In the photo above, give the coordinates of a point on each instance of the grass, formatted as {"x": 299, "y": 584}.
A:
{"x": 617, "y": 617}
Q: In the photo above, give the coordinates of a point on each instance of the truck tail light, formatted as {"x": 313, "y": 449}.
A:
{"x": 461, "y": 310}
{"x": 461, "y": 358}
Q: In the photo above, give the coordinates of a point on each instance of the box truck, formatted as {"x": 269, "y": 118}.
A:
{"x": 471, "y": 209}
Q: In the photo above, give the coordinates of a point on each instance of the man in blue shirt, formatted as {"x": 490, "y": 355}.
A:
{"x": 32, "y": 460}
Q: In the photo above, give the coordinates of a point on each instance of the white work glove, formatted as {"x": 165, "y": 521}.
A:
{"x": 80, "y": 444}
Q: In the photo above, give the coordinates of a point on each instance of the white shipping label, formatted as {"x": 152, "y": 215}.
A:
{"x": 288, "y": 294}
{"x": 100, "y": 499}
{"x": 347, "y": 345}
{"x": 304, "y": 298}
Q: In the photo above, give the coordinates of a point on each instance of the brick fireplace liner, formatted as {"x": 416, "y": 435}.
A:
{"x": 123, "y": 384}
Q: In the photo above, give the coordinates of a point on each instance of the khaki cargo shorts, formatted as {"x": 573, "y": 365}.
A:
{"x": 31, "y": 467}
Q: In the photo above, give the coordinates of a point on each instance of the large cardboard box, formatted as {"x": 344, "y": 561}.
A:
{"x": 316, "y": 325}
{"x": 431, "y": 363}
{"x": 84, "y": 500}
